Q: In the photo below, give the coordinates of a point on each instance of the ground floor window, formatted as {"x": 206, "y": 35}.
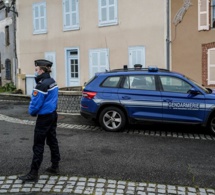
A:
{"x": 99, "y": 60}
{"x": 208, "y": 64}
{"x": 8, "y": 69}
{"x": 136, "y": 56}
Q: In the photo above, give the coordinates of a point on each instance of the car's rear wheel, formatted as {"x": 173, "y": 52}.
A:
{"x": 112, "y": 119}
{"x": 211, "y": 124}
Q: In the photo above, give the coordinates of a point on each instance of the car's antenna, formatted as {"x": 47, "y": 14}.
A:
{"x": 108, "y": 52}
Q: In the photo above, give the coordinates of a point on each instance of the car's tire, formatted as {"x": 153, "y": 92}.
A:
{"x": 211, "y": 124}
{"x": 112, "y": 119}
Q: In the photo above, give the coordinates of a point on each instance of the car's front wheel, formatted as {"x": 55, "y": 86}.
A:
{"x": 112, "y": 119}
{"x": 211, "y": 124}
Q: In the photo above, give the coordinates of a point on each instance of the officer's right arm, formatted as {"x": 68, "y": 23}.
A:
{"x": 37, "y": 100}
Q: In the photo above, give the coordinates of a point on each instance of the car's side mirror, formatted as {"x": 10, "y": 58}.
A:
{"x": 193, "y": 91}
{"x": 210, "y": 90}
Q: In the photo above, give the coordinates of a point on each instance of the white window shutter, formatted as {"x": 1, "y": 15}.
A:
{"x": 211, "y": 66}
{"x": 98, "y": 61}
{"x": 203, "y": 15}
{"x": 51, "y": 56}
{"x": 75, "y": 14}
{"x": 94, "y": 63}
{"x": 66, "y": 14}
{"x": 136, "y": 56}
{"x": 103, "y": 61}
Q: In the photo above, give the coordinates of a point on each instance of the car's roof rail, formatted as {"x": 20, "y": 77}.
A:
{"x": 128, "y": 69}
{"x": 150, "y": 69}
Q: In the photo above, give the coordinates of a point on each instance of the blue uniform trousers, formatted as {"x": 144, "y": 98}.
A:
{"x": 45, "y": 130}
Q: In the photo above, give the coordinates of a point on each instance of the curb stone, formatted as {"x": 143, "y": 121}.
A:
{"x": 64, "y": 185}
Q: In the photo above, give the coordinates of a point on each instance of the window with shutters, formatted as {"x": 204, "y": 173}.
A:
{"x": 99, "y": 61}
{"x": 39, "y": 18}
{"x": 108, "y": 12}
{"x": 70, "y": 15}
{"x": 136, "y": 56}
{"x": 213, "y": 13}
{"x": 211, "y": 66}
{"x": 203, "y": 15}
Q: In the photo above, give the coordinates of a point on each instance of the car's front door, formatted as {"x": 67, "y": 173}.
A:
{"x": 178, "y": 104}
{"x": 140, "y": 97}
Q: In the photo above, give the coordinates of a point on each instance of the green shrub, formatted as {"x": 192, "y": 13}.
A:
{"x": 8, "y": 87}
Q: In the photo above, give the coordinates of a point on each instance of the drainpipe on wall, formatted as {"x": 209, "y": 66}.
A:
{"x": 15, "y": 48}
{"x": 167, "y": 37}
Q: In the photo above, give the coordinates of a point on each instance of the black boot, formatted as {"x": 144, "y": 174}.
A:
{"x": 32, "y": 176}
{"x": 54, "y": 169}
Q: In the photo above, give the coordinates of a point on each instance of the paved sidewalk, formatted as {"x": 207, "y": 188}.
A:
{"x": 93, "y": 186}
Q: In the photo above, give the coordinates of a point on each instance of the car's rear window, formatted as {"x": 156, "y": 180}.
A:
{"x": 111, "y": 82}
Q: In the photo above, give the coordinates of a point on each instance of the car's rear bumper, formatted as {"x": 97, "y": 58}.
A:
{"x": 88, "y": 115}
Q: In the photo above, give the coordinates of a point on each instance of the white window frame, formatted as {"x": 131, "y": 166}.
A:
{"x": 108, "y": 22}
{"x": 143, "y": 56}
{"x": 210, "y": 65}
{"x": 39, "y": 18}
{"x": 99, "y": 67}
{"x": 68, "y": 14}
{"x": 203, "y": 15}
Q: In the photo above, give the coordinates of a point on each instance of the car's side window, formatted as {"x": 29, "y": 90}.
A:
{"x": 173, "y": 84}
{"x": 111, "y": 82}
{"x": 145, "y": 82}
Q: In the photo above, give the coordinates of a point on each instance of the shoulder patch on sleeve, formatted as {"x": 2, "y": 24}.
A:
{"x": 35, "y": 93}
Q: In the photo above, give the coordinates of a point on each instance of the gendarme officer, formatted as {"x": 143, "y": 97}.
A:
{"x": 43, "y": 105}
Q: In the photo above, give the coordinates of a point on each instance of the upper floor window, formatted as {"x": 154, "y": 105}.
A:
{"x": 39, "y": 18}
{"x": 7, "y": 36}
{"x": 70, "y": 15}
{"x": 205, "y": 15}
{"x": 108, "y": 12}
{"x": 213, "y": 13}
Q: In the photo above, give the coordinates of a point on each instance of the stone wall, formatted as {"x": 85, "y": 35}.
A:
{"x": 69, "y": 101}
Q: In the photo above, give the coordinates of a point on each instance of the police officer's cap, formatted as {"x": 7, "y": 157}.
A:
{"x": 42, "y": 62}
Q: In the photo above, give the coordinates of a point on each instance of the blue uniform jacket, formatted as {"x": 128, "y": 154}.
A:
{"x": 44, "y": 97}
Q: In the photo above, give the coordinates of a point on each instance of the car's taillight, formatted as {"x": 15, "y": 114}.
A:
{"x": 89, "y": 95}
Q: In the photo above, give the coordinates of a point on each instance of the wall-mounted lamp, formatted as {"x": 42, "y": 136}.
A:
{"x": 9, "y": 6}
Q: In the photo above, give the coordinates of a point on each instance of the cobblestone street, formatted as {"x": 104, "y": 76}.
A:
{"x": 97, "y": 186}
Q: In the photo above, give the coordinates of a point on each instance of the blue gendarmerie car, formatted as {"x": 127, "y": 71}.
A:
{"x": 121, "y": 96}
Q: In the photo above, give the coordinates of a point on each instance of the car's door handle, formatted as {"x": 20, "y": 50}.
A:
{"x": 126, "y": 97}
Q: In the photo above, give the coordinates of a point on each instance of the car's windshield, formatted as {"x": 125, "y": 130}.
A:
{"x": 200, "y": 86}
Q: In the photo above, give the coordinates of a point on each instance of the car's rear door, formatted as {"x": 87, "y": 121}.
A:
{"x": 140, "y": 97}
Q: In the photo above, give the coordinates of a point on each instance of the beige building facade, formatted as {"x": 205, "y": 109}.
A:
{"x": 82, "y": 37}
{"x": 193, "y": 39}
